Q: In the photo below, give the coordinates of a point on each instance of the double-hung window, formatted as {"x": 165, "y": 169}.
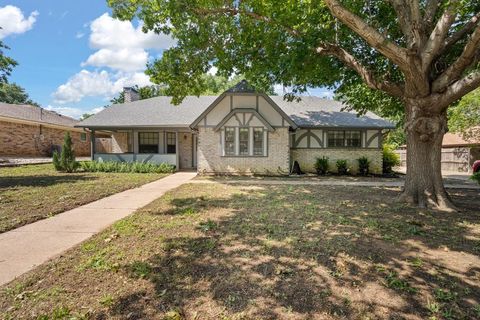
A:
{"x": 243, "y": 141}
{"x": 148, "y": 142}
{"x": 229, "y": 141}
{"x": 171, "y": 143}
{"x": 349, "y": 139}
{"x": 258, "y": 141}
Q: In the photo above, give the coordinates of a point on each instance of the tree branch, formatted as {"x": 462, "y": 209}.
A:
{"x": 436, "y": 39}
{"x": 465, "y": 60}
{"x": 467, "y": 28}
{"x": 430, "y": 10}
{"x": 458, "y": 89}
{"x": 374, "y": 38}
{"x": 367, "y": 76}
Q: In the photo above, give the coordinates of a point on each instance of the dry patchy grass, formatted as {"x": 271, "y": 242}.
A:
{"x": 34, "y": 192}
{"x": 212, "y": 251}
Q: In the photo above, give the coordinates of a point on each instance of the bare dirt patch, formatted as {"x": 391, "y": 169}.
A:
{"x": 213, "y": 251}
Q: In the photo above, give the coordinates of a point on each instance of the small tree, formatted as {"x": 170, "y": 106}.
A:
{"x": 66, "y": 161}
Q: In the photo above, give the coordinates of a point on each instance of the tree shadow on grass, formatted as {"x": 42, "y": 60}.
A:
{"x": 42, "y": 180}
{"x": 348, "y": 253}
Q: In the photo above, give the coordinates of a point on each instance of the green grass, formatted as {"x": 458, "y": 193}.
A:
{"x": 213, "y": 251}
{"x": 34, "y": 192}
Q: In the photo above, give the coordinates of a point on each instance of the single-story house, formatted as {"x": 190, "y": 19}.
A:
{"x": 458, "y": 153}
{"x": 242, "y": 131}
{"x": 27, "y": 130}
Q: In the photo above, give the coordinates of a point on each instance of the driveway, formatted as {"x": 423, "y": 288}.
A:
{"x": 24, "y": 248}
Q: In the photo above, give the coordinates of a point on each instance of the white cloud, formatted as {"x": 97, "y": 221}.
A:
{"x": 121, "y": 46}
{"x": 97, "y": 84}
{"x": 111, "y": 33}
{"x": 73, "y": 112}
{"x": 13, "y": 21}
{"x": 79, "y": 35}
{"x": 126, "y": 59}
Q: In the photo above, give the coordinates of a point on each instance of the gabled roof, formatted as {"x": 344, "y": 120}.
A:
{"x": 242, "y": 87}
{"x": 154, "y": 112}
{"x": 160, "y": 112}
{"x": 319, "y": 112}
{"x": 35, "y": 114}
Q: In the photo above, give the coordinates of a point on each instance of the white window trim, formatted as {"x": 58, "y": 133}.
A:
{"x": 237, "y": 142}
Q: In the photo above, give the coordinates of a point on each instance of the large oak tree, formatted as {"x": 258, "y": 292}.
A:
{"x": 423, "y": 54}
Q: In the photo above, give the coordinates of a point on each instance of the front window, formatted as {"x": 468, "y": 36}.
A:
{"x": 229, "y": 141}
{"x": 336, "y": 139}
{"x": 350, "y": 139}
{"x": 258, "y": 141}
{"x": 148, "y": 142}
{"x": 243, "y": 132}
{"x": 171, "y": 142}
{"x": 83, "y": 136}
{"x": 353, "y": 139}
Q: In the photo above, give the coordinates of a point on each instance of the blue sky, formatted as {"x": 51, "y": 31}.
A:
{"x": 73, "y": 56}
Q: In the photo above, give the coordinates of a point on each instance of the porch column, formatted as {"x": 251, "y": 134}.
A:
{"x": 177, "y": 150}
{"x": 92, "y": 145}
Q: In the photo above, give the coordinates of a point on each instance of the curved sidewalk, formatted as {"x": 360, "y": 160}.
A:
{"x": 26, "y": 247}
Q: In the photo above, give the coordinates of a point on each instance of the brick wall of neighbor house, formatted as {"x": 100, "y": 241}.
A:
{"x": 185, "y": 144}
{"x": 34, "y": 140}
{"x": 210, "y": 160}
{"x": 306, "y": 158}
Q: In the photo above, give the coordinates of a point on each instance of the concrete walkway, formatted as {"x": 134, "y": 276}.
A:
{"x": 26, "y": 247}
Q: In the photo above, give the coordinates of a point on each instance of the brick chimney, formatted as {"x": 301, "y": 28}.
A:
{"x": 130, "y": 94}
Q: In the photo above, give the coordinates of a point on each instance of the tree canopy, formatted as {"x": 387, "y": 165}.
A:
{"x": 6, "y": 63}
{"x": 464, "y": 118}
{"x": 212, "y": 85}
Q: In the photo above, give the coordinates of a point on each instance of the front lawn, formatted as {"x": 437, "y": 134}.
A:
{"x": 213, "y": 251}
{"x": 34, "y": 192}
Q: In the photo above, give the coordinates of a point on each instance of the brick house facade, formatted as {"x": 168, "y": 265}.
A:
{"x": 241, "y": 131}
{"x": 28, "y": 131}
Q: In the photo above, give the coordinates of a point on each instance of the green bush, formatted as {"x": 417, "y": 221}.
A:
{"x": 127, "y": 167}
{"x": 66, "y": 160}
{"x": 476, "y": 177}
{"x": 390, "y": 158}
{"x": 342, "y": 167}
{"x": 363, "y": 166}
{"x": 321, "y": 165}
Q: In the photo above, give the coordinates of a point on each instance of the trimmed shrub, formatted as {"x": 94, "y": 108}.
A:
{"x": 66, "y": 160}
{"x": 342, "y": 166}
{"x": 476, "y": 177}
{"x": 127, "y": 167}
{"x": 390, "y": 158}
{"x": 321, "y": 165}
{"x": 363, "y": 166}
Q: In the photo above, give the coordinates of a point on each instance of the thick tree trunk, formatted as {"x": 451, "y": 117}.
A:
{"x": 424, "y": 184}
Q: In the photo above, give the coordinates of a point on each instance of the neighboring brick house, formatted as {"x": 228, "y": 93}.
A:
{"x": 241, "y": 131}
{"x": 27, "y": 130}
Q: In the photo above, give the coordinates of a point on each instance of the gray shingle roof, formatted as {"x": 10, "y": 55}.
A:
{"x": 152, "y": 112}
{"x": 36, "y": 114}
{"x": 319, "y": 112}
{"x": 308, "y": 112}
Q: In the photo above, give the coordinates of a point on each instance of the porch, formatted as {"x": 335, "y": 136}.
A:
{"x": 175, "y": 146}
